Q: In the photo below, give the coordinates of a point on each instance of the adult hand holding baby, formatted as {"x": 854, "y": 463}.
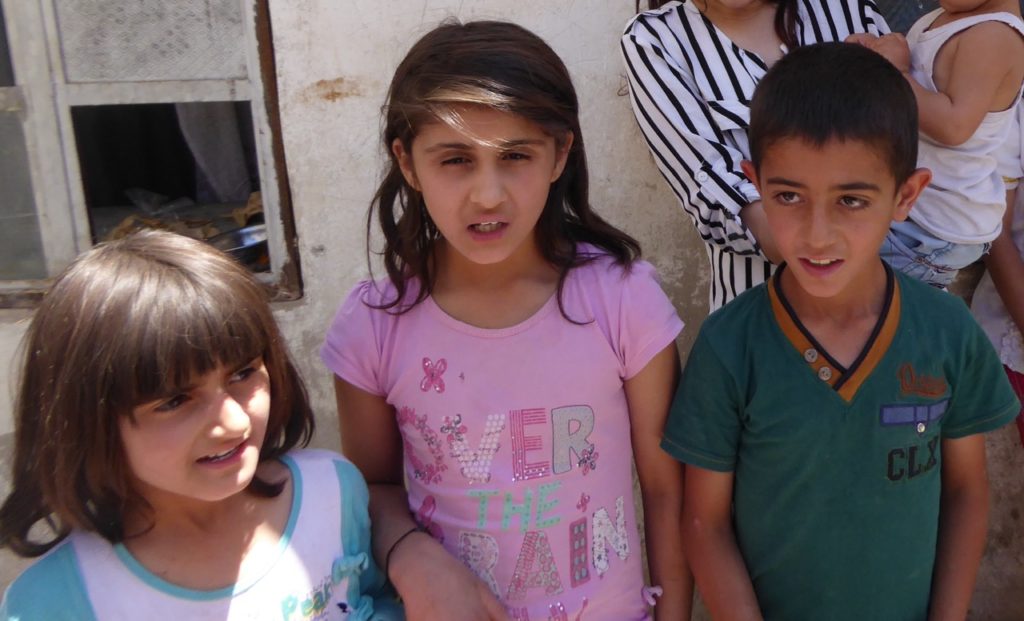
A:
{"x": 892, "y": 46}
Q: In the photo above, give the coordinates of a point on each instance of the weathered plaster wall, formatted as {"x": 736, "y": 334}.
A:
{"x": 334, "y": 61}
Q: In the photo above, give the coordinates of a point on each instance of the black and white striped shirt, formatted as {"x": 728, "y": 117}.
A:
{"x": 691, "y": 89}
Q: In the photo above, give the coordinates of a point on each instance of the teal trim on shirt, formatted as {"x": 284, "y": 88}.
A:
{"x": 159, "y": 584}
{"x": 50, "y": 590}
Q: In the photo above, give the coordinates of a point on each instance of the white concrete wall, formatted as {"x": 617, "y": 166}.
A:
{"x": 334, "y": 61}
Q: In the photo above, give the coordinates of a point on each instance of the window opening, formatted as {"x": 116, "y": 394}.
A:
{"x": 186, "y": 167}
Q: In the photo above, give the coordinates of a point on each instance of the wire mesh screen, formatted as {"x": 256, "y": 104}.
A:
{"x": 144, "y": 40}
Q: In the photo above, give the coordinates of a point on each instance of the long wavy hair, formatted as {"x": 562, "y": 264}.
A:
{"x": 504, "y": 67}
{"x": 785, "y": 18}
{"x": 128, "y": 322}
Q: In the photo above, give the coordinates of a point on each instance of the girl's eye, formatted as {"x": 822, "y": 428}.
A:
{"x": 514, "y": 155}
{"x": 454, "y": 161}
{"x": 787, "y": 198}
{"x": 853, "y": 202}
{"x": 247, "y": 371}
{"x": 243, "y": 374}
{"x": 173, "y": 403}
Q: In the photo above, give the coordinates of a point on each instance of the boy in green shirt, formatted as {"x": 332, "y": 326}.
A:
{"x": 830, "y": 419}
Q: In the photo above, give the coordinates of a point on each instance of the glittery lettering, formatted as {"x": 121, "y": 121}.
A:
{"x": 475, "y": 465}
{"x": 608, "y": 535}
{"x": 522, "y": 469}
{"x": 566, "y": 439}
{"x": 535, "y": 568}
{"x": 479, "y": 552}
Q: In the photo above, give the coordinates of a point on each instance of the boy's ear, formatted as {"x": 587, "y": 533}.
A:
{"x": 906, "y": 194}
{"x": 404, "y": 159}
{"x": 562, "y": 148}
{"x": 750, "y": 171}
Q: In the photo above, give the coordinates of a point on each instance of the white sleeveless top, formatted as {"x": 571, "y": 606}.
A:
{"x": 966, "y": 199}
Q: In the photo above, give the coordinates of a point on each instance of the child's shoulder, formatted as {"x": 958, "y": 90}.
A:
{"x": 374, "y": 293}
{"x": 923, "y": 302}
{"x": 307, "y": 459}
{"x": 603, "y": 268}
{"x": 745, "y": 312}
{"x": 50, "y": 588}
{"x": 601, "y": 280}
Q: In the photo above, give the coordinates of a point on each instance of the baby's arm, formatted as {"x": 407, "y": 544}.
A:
{"x": 1006, "y": 266}
{"x": 985, "y": 59}
{"x": 649, "y": 394}
{"x": 711, "y": 546}
{"x": 963, "y": 522}
{"x": 432, "y": 583}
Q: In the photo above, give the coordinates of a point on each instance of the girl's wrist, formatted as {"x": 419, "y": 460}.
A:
{"x": 404, "y": 541}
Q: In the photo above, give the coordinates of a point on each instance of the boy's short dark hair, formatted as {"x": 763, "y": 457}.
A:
{"x": 837, "y": 90}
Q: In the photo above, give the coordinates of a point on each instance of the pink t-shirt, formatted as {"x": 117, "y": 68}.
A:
{"x": 516, "y": 440}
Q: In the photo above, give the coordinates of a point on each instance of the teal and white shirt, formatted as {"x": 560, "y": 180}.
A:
{"x": 322, "y": 571}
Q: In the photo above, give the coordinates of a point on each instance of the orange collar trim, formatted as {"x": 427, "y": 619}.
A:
{"x": 844, "y": 381}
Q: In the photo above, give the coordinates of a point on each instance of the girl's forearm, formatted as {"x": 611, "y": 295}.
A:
{"x": 390, "y": 518}
{"x": 665, "y": 556}
{"x": 720, "y": 572}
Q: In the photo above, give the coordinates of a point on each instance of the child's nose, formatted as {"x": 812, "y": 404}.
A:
{"x": 231, "y": 417}
{"x": 819, "y": 226}
{"x": 489, "y": 189}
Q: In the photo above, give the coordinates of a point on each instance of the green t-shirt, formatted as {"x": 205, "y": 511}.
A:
{"x": 837, "y": 470}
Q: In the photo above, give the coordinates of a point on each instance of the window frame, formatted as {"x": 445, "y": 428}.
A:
{"x": 44, "y": 98}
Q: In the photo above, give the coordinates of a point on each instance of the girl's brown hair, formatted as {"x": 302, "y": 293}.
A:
{"x": 785, "y": 19}
{"x": 504, "y": 67}
{"x": 126, "y": 323}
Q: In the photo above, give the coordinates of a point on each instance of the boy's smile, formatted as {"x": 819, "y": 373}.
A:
{"x": 829, "y": 208}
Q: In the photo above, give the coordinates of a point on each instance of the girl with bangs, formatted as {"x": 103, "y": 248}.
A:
{"x": 517, "y": 359}
{"x": 156, "y": 468}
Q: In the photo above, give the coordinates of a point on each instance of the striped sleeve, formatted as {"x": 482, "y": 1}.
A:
{"x": 834, "y": 20}
{"x": 692, "y": 141}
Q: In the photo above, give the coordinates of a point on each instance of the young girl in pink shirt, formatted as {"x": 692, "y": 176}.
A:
{"x": 516, "y": 360}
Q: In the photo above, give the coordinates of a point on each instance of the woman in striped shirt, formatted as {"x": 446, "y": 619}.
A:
{"x": 692, "y": 68}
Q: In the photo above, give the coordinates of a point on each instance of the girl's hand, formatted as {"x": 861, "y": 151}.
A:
{"x": 435, "y": 585}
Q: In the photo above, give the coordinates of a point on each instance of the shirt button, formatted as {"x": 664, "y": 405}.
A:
{"x": 811, "y": 355}
{"x": 702, "y": 176}
{"x": 824, "y": 374}
{"x": 920, "y": 428}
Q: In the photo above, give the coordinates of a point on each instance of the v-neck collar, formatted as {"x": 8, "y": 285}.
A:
{"x": 845, "y": 381}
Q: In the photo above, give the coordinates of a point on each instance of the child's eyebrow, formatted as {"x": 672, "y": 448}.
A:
{"x": 441, "y": 146}
{"x": 784, "y": 181}
{"x": 846, "y": 187}
{"x": 502, "y": 144}
{"x": 858, "y": 185}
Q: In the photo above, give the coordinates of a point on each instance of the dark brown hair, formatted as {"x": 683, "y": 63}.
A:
{"x": 504, "y": 67}
{"x": 836, "y": 91}
{"x": 128, "y": 322}
{"x": 785, "y": 19}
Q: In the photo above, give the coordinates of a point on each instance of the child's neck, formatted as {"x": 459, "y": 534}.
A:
{"x": 751, "y": 27}
{"x": 210, "y": 545}
{"x": 493, "y": 296}
{"x": 842, "y": 324}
